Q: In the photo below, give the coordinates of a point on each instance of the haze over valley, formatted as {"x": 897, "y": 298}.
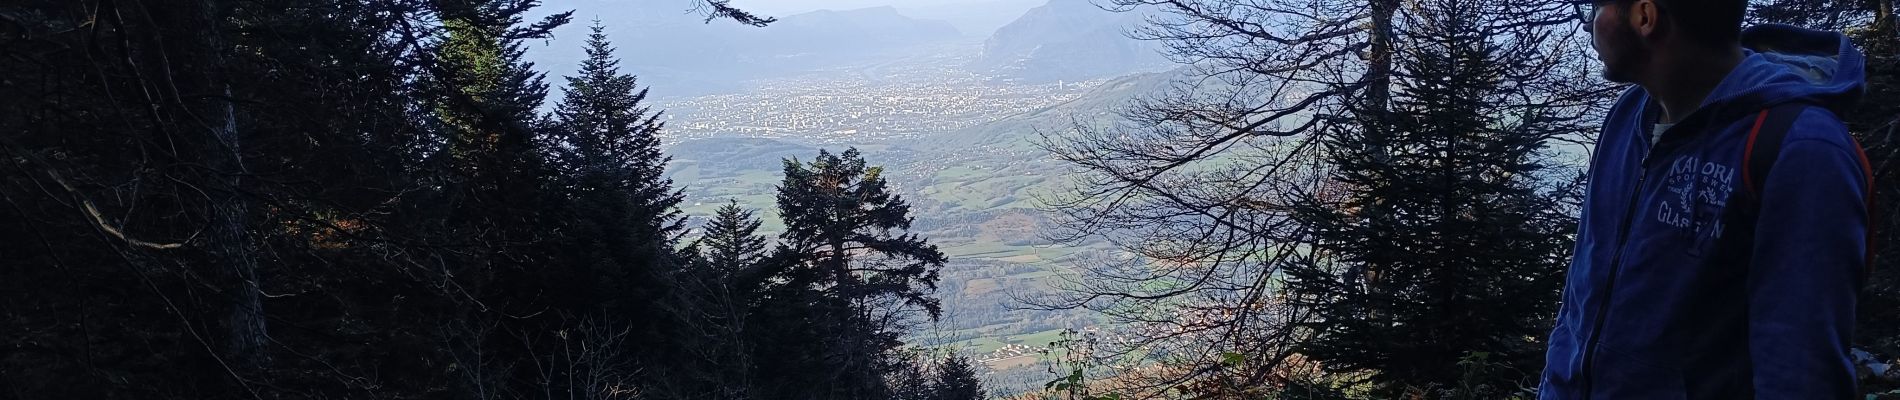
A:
{"x": 949, "y": 96}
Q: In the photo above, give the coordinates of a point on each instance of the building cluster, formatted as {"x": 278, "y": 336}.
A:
{"x": 857, "y": 107}
{"x": 1011, "y": 351}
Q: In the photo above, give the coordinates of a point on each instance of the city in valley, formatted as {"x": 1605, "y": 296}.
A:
{"x": 902, "y": 99}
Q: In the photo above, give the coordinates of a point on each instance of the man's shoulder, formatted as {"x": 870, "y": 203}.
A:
{"x": 1818, "y": 123}
{"x": 1632, "y": 100}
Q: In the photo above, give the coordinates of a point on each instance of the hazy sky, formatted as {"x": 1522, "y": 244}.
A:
{"x": 973, "y": 17}
{"x": 630, "y": 22}
{"x": 783, "y": 7}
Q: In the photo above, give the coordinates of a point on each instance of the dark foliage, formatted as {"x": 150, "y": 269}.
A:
{"x": 853, "y": 285}
{"x": 361, "y": 199}
{"x": 1450, "y": 239}
{"x": 1337, "y": 197}
{"x": 956, "y": 380}
{"x": 731, "y": 240}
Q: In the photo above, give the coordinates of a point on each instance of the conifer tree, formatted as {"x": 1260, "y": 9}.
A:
{"x": 955, "y": 379}
{"x": 1466, "y": 249}
{"x": 835, "y": 209}
{"x": 329, "y": 198}
{"x": 731, "y": 242}
{"x": 624, "y": 209}
{"x": 482, "y": 100}
{"x": 1210, "y": 188}
{"x": 842, "y": 284}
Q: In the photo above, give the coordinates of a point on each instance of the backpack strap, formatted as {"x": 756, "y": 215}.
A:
{"x": 1873, "y": 209}
{"x": 1763, "y": 146}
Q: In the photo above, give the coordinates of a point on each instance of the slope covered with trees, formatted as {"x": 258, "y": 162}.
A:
{"x": 366, "y": 199}
{"x": 207, "y": 199}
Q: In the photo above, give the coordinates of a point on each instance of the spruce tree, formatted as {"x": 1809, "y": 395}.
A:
{"x": 482, "y": 99}
{"x": 619, "y": 265}
{"x": 731, "y": 242}
{"x": 485, "y": 95}
{"x": 955, "y": 379}
{"x": 712, "y": 321}
{"x": 624, "y": 210}
{"x": 1200, "y": 190}
{"x": 293, "y": 199}
{"x": 1453, "y": 244}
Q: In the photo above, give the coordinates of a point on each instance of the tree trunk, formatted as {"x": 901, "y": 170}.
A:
{"x": 1883, "y": 15}
{"x": 227, "y": 241}
{"x": 230, "y": 248}
{"x": 1376, "y": 110}
{"x": 1377, "y": 128}
{"x": 1378, "y": 78}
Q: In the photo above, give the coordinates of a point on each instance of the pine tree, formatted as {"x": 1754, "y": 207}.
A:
{"x": 836, "y": 208}
{"x": 842, "y": 285}
{"x": 1464, "y": 252}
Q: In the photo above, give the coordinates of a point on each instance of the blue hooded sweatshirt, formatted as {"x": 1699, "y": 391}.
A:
{"x": 1681, "y": 290}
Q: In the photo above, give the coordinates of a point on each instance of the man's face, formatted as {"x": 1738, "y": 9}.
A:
{"x": 1617, "y": 43}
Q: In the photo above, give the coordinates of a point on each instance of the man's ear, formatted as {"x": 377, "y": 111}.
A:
{"x": 1645, "y": 19}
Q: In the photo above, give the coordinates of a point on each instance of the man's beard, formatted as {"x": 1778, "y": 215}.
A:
{"x": 1628, "y": 57}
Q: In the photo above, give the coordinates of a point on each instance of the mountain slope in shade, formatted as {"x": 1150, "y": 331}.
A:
{"x": 976, "y": 20}
{"x": 1070, "y": 40}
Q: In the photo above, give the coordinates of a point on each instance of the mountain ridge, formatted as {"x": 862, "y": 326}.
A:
{"x": 1070, "y": 40}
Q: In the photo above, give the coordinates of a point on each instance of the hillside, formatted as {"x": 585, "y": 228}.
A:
{"x": 974, "y": 192}
{"x": 1070, "y": 40}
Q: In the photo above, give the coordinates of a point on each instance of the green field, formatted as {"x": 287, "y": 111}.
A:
{"x": 984, "y": 345}
{"x": 1006, "y": 252}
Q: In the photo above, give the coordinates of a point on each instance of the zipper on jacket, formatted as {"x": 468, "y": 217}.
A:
{"x": 1609, "y": 287}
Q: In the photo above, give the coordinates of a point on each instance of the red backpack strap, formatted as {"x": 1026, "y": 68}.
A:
{"x": 1763, "y": 146}
{"x": 1873, "y": 209}
{"x": 1749, "y": 163}
{"x": 1764, "y": 143}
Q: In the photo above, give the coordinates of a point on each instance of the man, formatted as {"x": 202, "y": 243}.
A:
{"x": 1693, "y": 278}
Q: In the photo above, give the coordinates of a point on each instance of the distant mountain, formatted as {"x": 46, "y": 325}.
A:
{"x": 1070, "y": 40}
{"x": 679, "y": 54}
{"x": 847, "y": 33}
{"x": 977, "y": 19}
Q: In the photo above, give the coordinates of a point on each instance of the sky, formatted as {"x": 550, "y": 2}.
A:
{"x": 785, "y": 7}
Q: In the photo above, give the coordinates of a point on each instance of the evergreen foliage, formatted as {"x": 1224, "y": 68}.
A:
{"x": 363, "y": 199}
{"x": 1450, "y": 240}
